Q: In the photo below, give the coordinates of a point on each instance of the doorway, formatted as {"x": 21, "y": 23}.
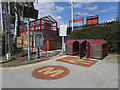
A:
{"x": 75, "y": 48}
{"x": 82, "y": 51}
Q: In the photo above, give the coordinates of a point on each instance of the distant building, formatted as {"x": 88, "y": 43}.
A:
{"x": 111, "y": 20}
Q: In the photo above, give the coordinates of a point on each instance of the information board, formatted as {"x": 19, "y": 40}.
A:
{"x": 63, "y": 30}
{"x": 38, "y": 39}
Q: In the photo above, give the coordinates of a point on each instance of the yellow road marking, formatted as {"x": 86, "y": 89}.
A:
{"x": 51, "y": 70}
{"x": 76, "y": 61}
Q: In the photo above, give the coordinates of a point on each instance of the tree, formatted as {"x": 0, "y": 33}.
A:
{"x": 18, "y": 12}
{"x": 16, "y": 9}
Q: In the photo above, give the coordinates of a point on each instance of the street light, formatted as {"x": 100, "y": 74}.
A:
{"x": 72, "y": 12}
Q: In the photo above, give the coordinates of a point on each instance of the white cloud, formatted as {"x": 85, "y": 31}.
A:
{"x": 106, "y": 10}
{"x": 78, "y": 0}
{"x": 113, "y": 7}
{"x": 59, "y": 0}
{"x": 92, "y": 8}
{"x": 59, "y": 9}
{"x": 83, "y": 14}
{"x": 49, "y": 8}
{"x": 77, "y": 5}
{"x": 103, "y": 11}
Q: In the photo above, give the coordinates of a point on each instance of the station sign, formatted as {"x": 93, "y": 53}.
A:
{"x": 92, "y": 17}
{"x": 92, "y": 20}
{"x": 76, "y": 20}
{"x": 30, "y": 12}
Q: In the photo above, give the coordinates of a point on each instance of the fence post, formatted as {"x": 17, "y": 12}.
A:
{"x": 32, "y": 41}
{"x": 38, "y": 53}
{"x": 45, "y": 50}
{"x": 22, "y": 41}
{"x": 40, "y": 26}
{"x": 22, "y": 37}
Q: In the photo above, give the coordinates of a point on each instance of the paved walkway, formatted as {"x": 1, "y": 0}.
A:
{"x": 103, "y": 74}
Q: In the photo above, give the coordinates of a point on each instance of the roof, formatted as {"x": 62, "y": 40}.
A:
{"x": 70, "y": 41}
{"x": 49, "y": 18}
{"x": 90, "y": 40}
{"x": 101, "y": 41}
{"x": 81, "y": 41}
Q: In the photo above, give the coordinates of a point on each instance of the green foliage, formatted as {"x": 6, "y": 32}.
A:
{"x": 108, "y": 32}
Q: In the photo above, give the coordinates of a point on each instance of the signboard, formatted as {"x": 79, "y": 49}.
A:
{"x": 63, "y": 30}
{"x": 92, "y": 17}
{"x": 92, "y": 20}
{"x": 38, "y": 39}
{"x": 76, "y": 20}
{"x": 30, "y": 12}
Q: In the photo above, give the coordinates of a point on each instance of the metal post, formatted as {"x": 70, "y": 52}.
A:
{"x": 5, "y": 30}
{"x": 45, "y": 50}
{"x": 22, "y": 40}
{"x": 38, "y": 53}
{"x": 9, "y": 34}
{"x": 1, "y": 20}
{"x": 72, "y": 13}
{"x": 9, "y": 45}
{"x": 32, "y": 42}
{"x": 8, "y": 7}
{"x": 83, "y": 22}
{"x": 78, "y": 23}
{"x": 63, "y": 46}
{"x": 28, "y": 41}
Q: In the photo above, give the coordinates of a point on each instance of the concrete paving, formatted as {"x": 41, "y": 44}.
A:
{"x": 103, "y": 74}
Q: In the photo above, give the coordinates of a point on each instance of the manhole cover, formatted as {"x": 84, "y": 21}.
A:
{"x": 50, "y": 72}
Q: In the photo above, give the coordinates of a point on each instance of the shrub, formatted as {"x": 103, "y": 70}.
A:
{"x": 108, "y": 32}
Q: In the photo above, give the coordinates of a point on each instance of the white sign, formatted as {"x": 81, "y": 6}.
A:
{"x": 63, "y": 30}
{"x": 38, "y": 39}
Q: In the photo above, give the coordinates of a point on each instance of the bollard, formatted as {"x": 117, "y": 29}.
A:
{"x": 45, "y": 50}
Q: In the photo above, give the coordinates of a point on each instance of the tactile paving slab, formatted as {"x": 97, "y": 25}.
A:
{"x": 77, "y": 61}
{"x": 50, "y": 72}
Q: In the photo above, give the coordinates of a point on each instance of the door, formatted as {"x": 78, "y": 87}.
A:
{"x": 81, "y": 51}
{"x": 96, "y": 51}
{"x": 87, "y": 50}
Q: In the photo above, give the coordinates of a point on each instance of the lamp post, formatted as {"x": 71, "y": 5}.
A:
{"x": 72, "y": 12}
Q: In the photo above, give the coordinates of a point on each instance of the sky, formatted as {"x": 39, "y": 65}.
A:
{"x": 61, "y": 11}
